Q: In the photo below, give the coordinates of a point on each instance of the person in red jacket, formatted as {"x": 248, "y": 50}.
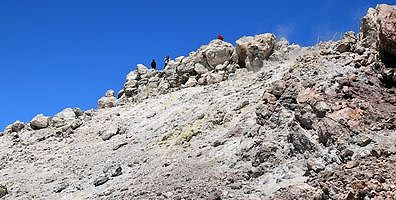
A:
{"x": 220, "y": 37}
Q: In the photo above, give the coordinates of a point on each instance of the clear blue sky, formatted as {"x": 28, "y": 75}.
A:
{"x": 66, "y": 53}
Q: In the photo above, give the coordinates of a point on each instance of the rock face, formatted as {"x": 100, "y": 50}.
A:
{"x": 39, "y": 122}
{"x": 387, "y": 30}
{"x": 253, "y": 50}
{"x": 108, "y": 100}
{"x": 313, "y": 123}
{"x": 378, "y": 28}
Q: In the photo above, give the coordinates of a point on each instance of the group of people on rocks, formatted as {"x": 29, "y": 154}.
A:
{"x": 167, "y": 58}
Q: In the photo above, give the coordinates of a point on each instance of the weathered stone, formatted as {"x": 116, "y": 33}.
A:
{"x": 202, "y": 80}
{"x": 316, "y": 165}
{"x": 329, "y": 130}
{"x": 17, "y": 126}
{"x": 67, "y": 114}
{"x": 141, "y": 69}
{"x": 111, "y": 131}
{"x": 242, "y": 105}
{"x": 253, "y": 50}
{"x": 217, "y": 52}
{"x": 368, "y": 34}
{"x": 321, "y": 108}
{"x": 39, "y": 122}
{"x": 113, "y": 170}
{"x": 109, "y": 93}
{"x": 108, "y": 100}
{"x": 307, "y": 95}
{"x": 346, "y": 43}
{"x": 62, "y": 186}
{"x": 100, "y": 181}
{"x": 191, "y": 82}
{"x": 300, "y": 141}
{"x": 200, "y": 69}
{"x": 306, "y": 120}
{"x": 185, "y": 69}
{"x": 263, "y": 113}
{"x": 3, "y": 191}
{"x": 269, "y": 98}
{"x": 277, "y": 88}
{"x": 212, "y": 78}
{"x": 387, "y": 30}
{"x": 378, "y": 30}
{"x": 133, "y": 75}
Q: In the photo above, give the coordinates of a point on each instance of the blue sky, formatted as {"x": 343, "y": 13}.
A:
{"x": 67, "y": 53}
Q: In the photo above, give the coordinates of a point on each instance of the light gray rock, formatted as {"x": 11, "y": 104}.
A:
{"x": 200, "y": 69}
{"x": 133, "y": 75}
{"x": 141, "y": 69}
{"x": 109, "y": 93}
{"x": 100, "y": 180}
{"x": 218, "y": 52}
{"x": 39, "y": 122}
{"x": 202, "y": 80}
{"x": 108, "y": 100}
{"x": 111, "y": 131}
{"x": 113, "y": 170}
{"x": 212, "y": 78}
{"x": 191, "y": 82}
{"x": 17, "y": 126}
{"x": 67, "y": 114}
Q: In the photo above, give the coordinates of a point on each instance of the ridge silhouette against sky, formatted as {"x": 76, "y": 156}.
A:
{"x": 67, "y": 53}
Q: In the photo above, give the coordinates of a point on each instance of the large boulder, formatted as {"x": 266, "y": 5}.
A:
{"x": 108, "y": 100}
{"x": 252, "y": 50}
{"x": 39, "y": 122}
{"x": 218, "y": 52}
{"x": 66, "y": 114}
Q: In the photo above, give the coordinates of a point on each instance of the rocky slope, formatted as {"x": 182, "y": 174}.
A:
{"x": 262, "y": 120}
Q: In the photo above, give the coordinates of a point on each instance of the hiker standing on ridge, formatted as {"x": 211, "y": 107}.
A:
{"x": 220, "y": 37}
{"x": 166, "y": 61}
{"x": 153, "y": 64}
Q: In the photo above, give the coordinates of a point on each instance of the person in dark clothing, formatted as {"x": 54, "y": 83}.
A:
{"x": 153, "y": 64}
{"x": 166, "y": 61}
{"x": 220, "y": 37}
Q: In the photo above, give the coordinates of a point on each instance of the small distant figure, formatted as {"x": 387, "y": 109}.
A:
{"x": 220, "y": 37}
{"x": 153, "y": 64}
{"x": 166, "y": 61}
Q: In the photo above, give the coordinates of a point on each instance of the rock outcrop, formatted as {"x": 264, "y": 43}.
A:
{"x": 378, "y": 30}
{"x": 210, "y": 64}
